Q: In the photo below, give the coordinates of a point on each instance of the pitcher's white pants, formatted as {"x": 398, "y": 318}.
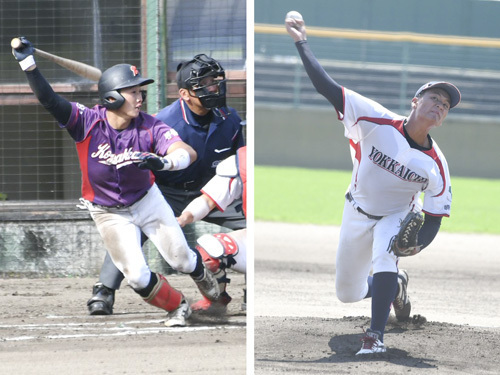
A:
{"x": 120, "y": 229}
{"x": 363, "y": 245}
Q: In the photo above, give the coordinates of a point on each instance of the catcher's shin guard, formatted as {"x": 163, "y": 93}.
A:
{"x": 163, "y": 295}
{"x": 216, "y": 244}
{"x": 216, "y": 266}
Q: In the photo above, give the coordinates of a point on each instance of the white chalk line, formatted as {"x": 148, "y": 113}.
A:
{"x": 115, "y": 315}
{"x": 116, "y": 324}
{"x": 123, "y": 333}
{"x": 108, "y": 329}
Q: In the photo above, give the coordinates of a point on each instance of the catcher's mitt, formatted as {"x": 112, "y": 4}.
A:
{"x": 404, "y": 244}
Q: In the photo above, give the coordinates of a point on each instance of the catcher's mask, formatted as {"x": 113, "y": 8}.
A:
{"x": 116, "y": 78}
{"x": 206, "y": 77}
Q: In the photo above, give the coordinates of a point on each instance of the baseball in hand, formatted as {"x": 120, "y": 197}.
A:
{"x": 295, "y": 15}
{"x": 16, "y": 43}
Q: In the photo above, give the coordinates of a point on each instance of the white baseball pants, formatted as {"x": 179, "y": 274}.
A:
{"x": 120, "y": 229}
{"x": 363, "y": 246}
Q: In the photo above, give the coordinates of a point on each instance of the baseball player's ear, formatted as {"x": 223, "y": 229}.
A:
{"x": 184, "y": 94}
{"x": 414, "y": 103}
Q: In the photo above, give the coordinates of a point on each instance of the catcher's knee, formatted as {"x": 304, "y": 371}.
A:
{"x": 218, "y": 251}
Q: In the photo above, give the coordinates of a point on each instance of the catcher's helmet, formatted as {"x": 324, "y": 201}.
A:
{"x": 119, "y": 77}
{"x": 192, "y": 73}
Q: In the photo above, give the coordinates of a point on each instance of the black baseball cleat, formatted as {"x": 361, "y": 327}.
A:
{"x": 102, "y": 301}
{"x": 402, "y": 304}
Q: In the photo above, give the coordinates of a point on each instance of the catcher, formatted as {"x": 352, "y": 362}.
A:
{"x": 221, "y": 251}
{"x": 394, "y": 161}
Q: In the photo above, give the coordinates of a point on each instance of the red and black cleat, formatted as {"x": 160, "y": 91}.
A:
{"x": 206, "y": 306}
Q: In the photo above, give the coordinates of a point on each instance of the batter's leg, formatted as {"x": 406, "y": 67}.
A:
{"x": 177, "y": 199}
{"x": 161, "y": 294}
{"x": 103, "y": 292}
{"x": 160, "y": 225}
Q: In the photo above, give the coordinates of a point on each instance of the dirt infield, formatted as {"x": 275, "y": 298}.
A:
{"x": 45, "y": 329}
{"x": 300, "y": 326}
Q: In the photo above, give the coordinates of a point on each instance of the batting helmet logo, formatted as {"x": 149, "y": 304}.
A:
{"x": 134, "y": 70}
{"x": 116, "y": 78}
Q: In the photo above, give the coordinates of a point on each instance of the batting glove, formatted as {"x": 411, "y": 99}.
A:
{"x": 147, "y": 160}
{"x": 24, "y": 54}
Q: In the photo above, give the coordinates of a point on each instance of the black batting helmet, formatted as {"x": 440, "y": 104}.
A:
{"x": 119, "y": 77}
{"x": 191, "y": 73}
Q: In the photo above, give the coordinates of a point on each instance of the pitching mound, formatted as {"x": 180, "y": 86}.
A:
{"x": 328, "y": 346}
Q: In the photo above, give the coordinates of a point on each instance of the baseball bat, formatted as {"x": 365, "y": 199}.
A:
{"x": 83, "y": 70}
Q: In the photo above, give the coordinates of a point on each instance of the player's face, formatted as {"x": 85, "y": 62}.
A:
{"x": 211, "y": 84}
{"x": 434, "y": 104}
{"x": 134, "y": 98}
{"x": 193, "y": 102}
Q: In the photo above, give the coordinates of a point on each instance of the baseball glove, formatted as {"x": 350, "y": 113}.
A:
{"x": 404, "y": 244}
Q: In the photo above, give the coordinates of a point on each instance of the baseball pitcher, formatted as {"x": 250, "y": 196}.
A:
{"x": 394, "y": 161}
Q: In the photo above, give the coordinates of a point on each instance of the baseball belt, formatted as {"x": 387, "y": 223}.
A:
{"x": 360, "y": 210}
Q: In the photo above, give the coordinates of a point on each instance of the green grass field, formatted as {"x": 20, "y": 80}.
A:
{"x": 296, "y": 195}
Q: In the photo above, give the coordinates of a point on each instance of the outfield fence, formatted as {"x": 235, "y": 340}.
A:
{"x": 388, "y": 67}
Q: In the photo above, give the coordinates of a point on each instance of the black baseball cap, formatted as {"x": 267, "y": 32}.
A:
{"x": 190, "y": 72}
{"x": 184, "y": 74}
{"x": 451, "y": 89}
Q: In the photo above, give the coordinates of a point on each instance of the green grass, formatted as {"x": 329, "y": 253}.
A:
{"x": 297, "y": 195}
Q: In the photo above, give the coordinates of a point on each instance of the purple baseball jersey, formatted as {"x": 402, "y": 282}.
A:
{"x": 109, "y": 177}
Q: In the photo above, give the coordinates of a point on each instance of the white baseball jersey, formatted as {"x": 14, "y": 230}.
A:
{"x": 226, "y": 186}
{"x": 388, "y": 175}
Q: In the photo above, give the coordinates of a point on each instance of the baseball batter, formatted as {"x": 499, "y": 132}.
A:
{"x": 118, "y": 145}
{"x": 394, "y": 161}
{"x": 214, "y": 131}
{"x": 221, "y": 251}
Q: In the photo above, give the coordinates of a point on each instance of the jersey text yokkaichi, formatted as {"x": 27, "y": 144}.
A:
{"x": 396, "y": 168}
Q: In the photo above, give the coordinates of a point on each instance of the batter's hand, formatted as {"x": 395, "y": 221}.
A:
{"x": 148, "y": 160}
{"x": 296, "y": 28}
{"x": 24, "y": 54}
